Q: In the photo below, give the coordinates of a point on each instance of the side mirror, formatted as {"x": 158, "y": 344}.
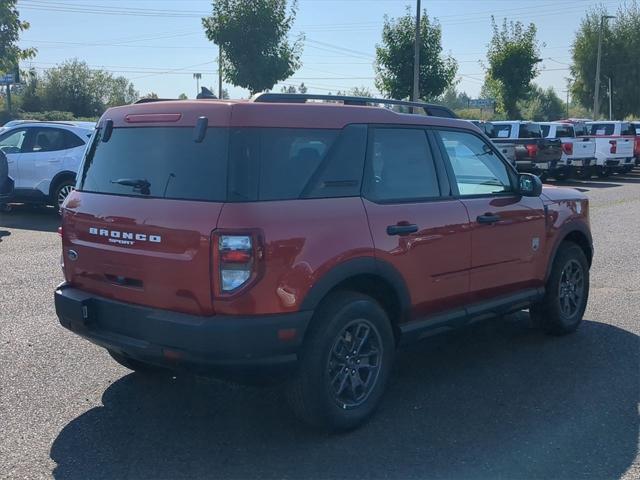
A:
{"x": 529, "y": 185}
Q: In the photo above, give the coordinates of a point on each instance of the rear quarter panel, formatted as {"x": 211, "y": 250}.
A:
{"x": 303, "y": 240}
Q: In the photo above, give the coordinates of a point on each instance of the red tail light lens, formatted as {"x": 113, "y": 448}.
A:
{"x": 614, "y": 146}
{"x": 532, "y": 150}
{"x": 235, "y": 259}
{"x": 567, "y": 148}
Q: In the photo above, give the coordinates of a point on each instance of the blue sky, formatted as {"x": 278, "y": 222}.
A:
{"x": 159, "y": 44}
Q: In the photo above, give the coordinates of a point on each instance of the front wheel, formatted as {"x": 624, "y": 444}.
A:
{"x": 345, "y": 363}
{"x": 566, "y": 294}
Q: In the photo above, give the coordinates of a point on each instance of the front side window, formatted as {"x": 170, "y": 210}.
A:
{"x": 12, "y": 142}
{"x": 627, "y": 129}
{"x": 477, "y": 169}
{"x": 501, "y": 130}
{"x": 545, "y": 130}
{"x": 401, "y": 166}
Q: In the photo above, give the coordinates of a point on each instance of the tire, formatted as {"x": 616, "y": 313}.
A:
{"x": 357, "y": 389}
{"x": 566, "y": 293}
{"x": 62, "y": 190}
{"x": 604, "y": 172}
{"x": 136, "y": 365}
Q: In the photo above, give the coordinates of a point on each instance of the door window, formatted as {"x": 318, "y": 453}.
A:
{"x": 12, "y": 142}
{"x": 46, "y": 140}
{"x": 401, "y": 166}
{"x": 477, "y": 169}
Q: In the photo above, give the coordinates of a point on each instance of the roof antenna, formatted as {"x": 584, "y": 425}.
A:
{"x": 205, "y": 93}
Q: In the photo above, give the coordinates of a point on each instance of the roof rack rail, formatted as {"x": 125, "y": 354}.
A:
{"x": 151, "y": 100}
{"x": 429, "y": 109}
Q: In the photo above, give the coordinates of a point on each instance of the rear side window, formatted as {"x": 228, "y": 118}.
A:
{"x": 292, "y": 163}
{"x": 601, "y": 129}
{"x": 160, "y": 162}
{"x": 401, "y": 166}
{"x": 71, "y": 140}
{"x": 530, "y": 130}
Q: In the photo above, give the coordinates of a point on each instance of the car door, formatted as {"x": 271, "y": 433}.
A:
{"x": 42, "y": 157}
{"x": 507, "y": 229}
{"x": 12, "y": 143}
{"x": 417, "y": 226}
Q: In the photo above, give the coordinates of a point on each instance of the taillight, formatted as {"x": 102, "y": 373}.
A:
{"x": 532, "y": 150}
{"x": 235, "y": 261}
{"x": 614, "y": 146}
{"x": 567, "y": 148}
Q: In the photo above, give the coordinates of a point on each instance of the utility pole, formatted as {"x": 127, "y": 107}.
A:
{"x": 596, "y": 99}
{"x": 197, "y": 76}
{"x": 416, "y": 56}
{"x": 567, "y": 103}
{"x": 609, "y": 98}
{"x": 220, "y": 72}
{"x": 9, "y": 98}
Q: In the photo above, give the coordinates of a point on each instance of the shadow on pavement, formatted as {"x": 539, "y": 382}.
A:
{"x": 498, "y": 399}
{"x": 28, "y": 217}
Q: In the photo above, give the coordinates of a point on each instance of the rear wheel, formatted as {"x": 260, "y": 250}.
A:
{"x": 135, "y": 365}
{"x": 62, "y": 191}
{"x": 566, "y": 294}
{"x": 345, "y": 363}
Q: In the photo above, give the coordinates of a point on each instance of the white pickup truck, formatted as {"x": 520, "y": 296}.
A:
{"x": 615, "y": 142}
{"x": 578, "y": 153}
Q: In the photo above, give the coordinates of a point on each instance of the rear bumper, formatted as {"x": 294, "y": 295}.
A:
{"x": 182, "y": 341}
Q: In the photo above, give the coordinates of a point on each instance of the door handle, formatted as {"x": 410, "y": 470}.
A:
{"x": 488, "y": 218}
{"x": 402, "y": 229}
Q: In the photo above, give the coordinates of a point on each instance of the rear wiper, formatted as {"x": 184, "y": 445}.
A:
{"x": 140, "y": 184}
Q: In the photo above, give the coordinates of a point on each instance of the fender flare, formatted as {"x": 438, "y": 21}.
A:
{"x": 352, "y": 268}
{"x": 561, "y": 235}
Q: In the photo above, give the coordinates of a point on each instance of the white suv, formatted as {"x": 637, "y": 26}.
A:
{"x": 43, "y": 158}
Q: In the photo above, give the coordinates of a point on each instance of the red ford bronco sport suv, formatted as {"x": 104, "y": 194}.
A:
{"x": 207, "y": 235}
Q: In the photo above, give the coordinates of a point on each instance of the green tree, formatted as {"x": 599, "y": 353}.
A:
{"x": 542, "y": 105}
{"x": 454, "y": 99}
{"x": 256, "y": 51}
{"x": 619, "y": 61}
{"x": 182, "y": 96}
{"x": 513, "y": 58}
{"x": 151, "y": 96}
{"x": 10, "y": 28}
{"x": 31, "y": 95}
{"x": 74, "y": 87}
{"x": 394, "y": 58}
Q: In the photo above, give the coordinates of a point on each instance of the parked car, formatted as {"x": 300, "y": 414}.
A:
{"x": 508, "y": 150}
{"x": 615, "y": 143}
{"x": 578, "y": 154}
{"x": 534, "y": 153}
{"x": 43, "y": 158}
{"x": 636, "y": 150}
{"x": 208, "y": 236}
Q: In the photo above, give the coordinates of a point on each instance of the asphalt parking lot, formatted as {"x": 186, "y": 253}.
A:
{"x": 496, "y": 400}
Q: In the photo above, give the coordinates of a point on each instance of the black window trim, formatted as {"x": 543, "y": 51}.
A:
{"x": 511, "y": 170}
{"x": 439, "y": 168}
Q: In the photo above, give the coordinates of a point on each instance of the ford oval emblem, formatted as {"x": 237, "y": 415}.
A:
{"x": 73, "y": 255}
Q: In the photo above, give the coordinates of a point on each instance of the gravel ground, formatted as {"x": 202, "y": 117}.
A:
{"x": 495, "y": 400}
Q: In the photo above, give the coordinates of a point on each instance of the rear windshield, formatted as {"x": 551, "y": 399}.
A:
{"x": 236, "y": 165}
{"x": 500, "y": 130}
{"x": 530, "y": 130}
{"x": 545, "y": 130}
{"x": 627, "y": 129}
{"x": 160, "y": 162}
{"x": 601, "y": 129}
